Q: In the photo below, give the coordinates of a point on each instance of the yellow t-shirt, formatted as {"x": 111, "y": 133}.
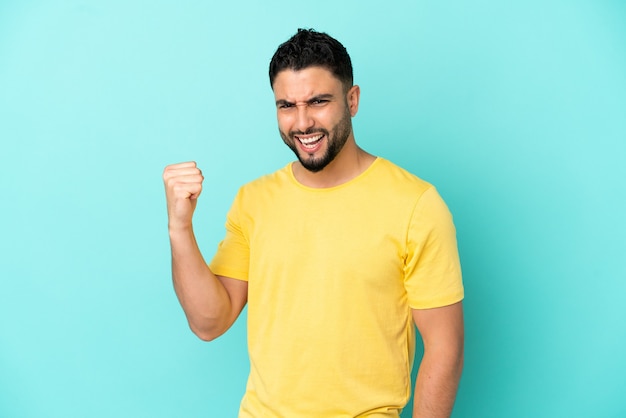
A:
{"x": 332, "y": 276}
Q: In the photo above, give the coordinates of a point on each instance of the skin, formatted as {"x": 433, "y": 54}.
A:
{"x": 211, "y": 303}
{"x": 440, "y": 370}
{"x": 309, "y": 102}
{"x": 312, "y": 99}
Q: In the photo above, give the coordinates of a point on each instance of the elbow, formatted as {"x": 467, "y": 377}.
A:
{"x": 206, "y": 334}
{"x": 208, "y": 327}
{"x": 206, "y": 337}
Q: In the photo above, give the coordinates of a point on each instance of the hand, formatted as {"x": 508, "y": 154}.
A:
{"x": 183, "y": 185}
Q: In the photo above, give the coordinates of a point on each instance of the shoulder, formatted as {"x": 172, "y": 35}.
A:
{"x": 399, "y": 180}
{"x": 265, "y": 188}
{"x": 278, "y": 178}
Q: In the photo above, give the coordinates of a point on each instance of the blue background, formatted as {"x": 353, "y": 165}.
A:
{"x": 515, "y": 110}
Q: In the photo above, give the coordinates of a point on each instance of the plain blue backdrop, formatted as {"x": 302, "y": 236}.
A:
{"x": 515, "y": 110}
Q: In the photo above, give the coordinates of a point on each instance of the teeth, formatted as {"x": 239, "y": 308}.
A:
{"x": 307, "y": 141}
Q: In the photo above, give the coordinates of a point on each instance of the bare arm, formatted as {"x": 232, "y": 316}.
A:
{"x": 211, "y": 303}
{"x": 440, "y": 370}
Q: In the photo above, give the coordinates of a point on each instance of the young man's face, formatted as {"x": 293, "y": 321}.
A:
{"x": 314, "y": 114}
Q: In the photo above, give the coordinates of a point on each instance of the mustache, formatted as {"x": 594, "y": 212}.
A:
{"x": 309, "y": 132}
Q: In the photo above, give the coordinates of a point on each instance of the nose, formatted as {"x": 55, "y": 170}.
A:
{"x": 304, "y": 121}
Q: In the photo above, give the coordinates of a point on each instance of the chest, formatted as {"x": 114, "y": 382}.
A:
{"x": 328, "y": 242}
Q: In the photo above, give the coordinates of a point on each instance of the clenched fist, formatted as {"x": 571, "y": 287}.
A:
{"x": 183, "y": 185}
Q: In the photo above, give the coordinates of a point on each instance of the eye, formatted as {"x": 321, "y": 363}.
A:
{"x": 318, "y": 102}
{"x": 285, "y": 106}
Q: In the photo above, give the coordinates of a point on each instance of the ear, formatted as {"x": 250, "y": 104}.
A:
{"x": 353, "y": 96}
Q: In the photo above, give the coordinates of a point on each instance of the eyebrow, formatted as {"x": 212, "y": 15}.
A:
{"x": 326, "y": 96}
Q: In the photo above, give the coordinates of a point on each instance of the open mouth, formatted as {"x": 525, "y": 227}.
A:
{"x": 310, "y": 142}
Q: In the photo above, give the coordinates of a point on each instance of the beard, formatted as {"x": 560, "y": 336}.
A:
{"x": 335, "y": 141}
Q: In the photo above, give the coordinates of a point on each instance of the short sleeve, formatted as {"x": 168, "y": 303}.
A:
{"x": 232, "y": 258}
{"x": 432, "y": 270}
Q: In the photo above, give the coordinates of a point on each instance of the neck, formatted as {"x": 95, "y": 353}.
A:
{"x": 348, "y": 164}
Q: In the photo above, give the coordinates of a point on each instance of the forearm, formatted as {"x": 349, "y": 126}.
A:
{"x": 437, "y": 382}
{"x": 202, "y": 296}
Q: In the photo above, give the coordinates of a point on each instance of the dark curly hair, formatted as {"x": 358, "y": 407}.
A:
{"x": 309, "y": 48}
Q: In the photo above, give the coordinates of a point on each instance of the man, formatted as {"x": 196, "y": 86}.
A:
{"x": 336, "y": 254}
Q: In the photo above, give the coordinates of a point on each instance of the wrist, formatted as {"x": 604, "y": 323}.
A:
{"x": 179, "y": 229}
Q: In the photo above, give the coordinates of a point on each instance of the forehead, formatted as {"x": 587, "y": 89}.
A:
{"x": 308, "y": 82}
